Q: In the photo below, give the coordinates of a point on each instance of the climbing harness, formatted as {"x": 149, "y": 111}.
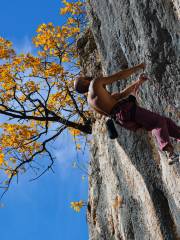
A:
{"x": 111, "y": 129}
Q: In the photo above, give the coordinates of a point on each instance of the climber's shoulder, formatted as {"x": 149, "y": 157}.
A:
{"x": 96, "y": 84}
{"x": 98, "y": 96}
{"x": 96, "y": 88}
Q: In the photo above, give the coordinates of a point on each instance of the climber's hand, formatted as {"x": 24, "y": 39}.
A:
{"x": 142, "y": 78}
{"x": 142, "y": 66}
{"x": 136, "y": 90}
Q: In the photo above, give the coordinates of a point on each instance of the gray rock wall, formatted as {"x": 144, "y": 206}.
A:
{"x": 133, "y": 192}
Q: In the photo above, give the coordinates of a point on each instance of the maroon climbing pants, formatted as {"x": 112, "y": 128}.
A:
{"x": 133, "y": 117}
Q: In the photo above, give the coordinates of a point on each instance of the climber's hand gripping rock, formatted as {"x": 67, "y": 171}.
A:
{"x": 141, "y": 80}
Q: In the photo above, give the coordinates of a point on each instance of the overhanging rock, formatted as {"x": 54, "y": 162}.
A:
{"x": 133, "y": 192}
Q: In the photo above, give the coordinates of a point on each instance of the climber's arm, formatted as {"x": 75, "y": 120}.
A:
{"x": 122, "y": 74}
{"x": 126, "y": 92}
{"x": 131, "y": 88}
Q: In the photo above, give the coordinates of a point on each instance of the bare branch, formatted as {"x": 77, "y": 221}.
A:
{"x": 16, "y": 170}
{"x": 76, "y": 106}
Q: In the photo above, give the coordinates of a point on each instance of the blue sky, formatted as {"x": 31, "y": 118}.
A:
{"x": 41, "y": 209}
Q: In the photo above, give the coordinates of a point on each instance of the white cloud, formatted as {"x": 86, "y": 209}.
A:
{"x": 65, "y": 153}
{"x": 24, "y": 46}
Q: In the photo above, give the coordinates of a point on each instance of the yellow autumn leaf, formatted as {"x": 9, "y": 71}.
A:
{"x": 78, "y": 146}
{"x": 74, "y": 132}
{"x": 77, "y": 205}
{"x": 1, "y": 158}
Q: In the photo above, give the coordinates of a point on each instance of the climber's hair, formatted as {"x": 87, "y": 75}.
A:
{"x": 79, "y": 85}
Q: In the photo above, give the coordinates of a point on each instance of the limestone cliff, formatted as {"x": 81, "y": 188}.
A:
{"x": 133, "y": 192}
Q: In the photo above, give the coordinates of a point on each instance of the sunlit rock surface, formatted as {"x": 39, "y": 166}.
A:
{"x": 133, "y": 192}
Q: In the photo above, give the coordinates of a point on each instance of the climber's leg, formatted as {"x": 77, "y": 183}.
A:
{"x": 124, "y": 113}
{"x": 162, "y": 135}
{"x": 158, "y": 125}
{"x": 173, "y": 129}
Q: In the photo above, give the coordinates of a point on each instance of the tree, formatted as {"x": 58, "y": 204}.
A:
{"x": 37, "y": 91}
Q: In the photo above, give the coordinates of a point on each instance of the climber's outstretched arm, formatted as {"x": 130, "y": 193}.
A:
{"x": 131, "y": 88}
{"x": 126, "y": 92}
{"x": 122, "y": 74}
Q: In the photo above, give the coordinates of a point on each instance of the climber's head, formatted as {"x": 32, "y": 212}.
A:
{"x": 81, "y": 84}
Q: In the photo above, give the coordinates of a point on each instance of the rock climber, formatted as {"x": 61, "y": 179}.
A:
{"x": 124, "y": 110}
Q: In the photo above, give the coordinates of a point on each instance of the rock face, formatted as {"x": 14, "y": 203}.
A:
{"x": 133, "y": 192}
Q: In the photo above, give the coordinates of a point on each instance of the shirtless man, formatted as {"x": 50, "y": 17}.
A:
{"x": 126, "y": 112}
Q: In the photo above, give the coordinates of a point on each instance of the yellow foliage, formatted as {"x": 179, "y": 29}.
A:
{"x": 50, "y": 38}
{"x": 31, "y": 86}
{"x": 54, "y": 70}
{"x": 74, "y": 8}
{"x": 71, "y": 20}
{"x": 17, "y": 136}
{"x": 74, "y": 132}
{"x": 5, "y": 74}
{"x": 65, "y": 58}
{"x": 23, "y": 76}
{"x": 1, "y": 158}
{"x": 5, "y": 49}
{"x": 78, "y": 146}
{"x": 77, "y": 205}
{"x": 9, "y": 172}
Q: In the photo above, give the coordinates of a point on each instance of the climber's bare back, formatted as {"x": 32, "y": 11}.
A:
{"x": 99, "y": 98}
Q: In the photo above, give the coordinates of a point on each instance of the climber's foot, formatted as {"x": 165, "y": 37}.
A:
{"x": 173, "y": 158}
